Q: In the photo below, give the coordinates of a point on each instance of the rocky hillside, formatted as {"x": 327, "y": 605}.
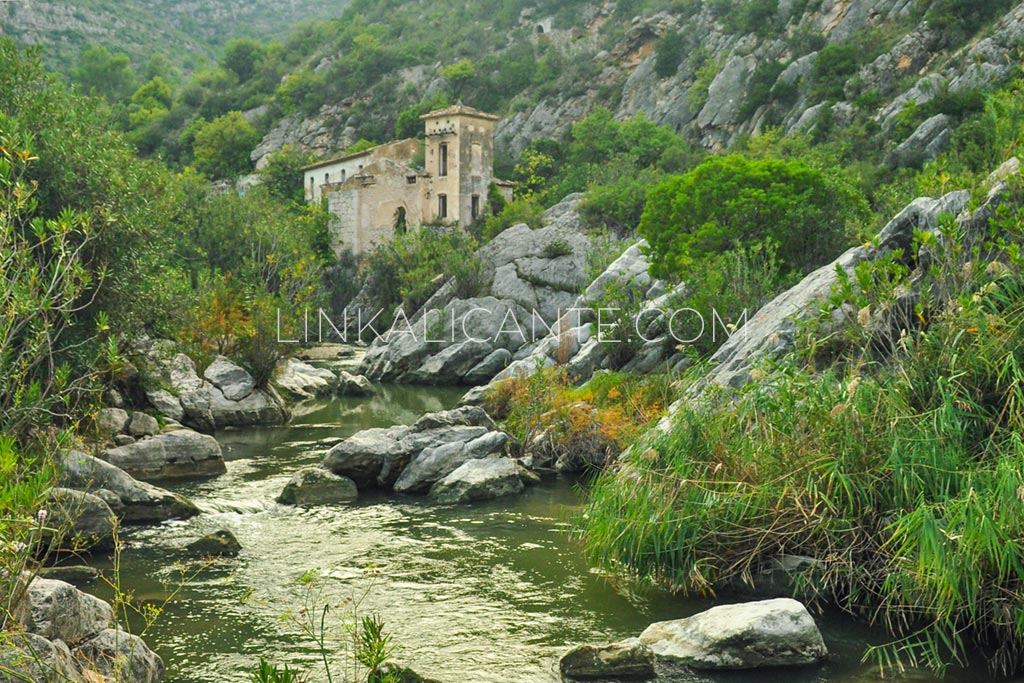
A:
{"x": 718, "y": 71}
{"x": 183, "y": 32}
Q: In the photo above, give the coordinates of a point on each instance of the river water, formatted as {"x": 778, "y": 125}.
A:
{"x": 489, "y": 593}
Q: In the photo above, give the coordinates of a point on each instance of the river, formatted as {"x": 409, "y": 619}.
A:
{"x": 489, "y": 593}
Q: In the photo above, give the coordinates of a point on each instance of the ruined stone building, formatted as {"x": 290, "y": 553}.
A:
{"x": 381, "y": 191}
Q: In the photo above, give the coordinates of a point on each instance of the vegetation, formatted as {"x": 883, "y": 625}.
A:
{"x": 734, "y": 199}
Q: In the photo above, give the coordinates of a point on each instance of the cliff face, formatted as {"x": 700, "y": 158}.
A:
{"x": 917, "y": 64}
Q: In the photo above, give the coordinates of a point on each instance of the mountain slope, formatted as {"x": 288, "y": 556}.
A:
{"x": 181, "y": 31}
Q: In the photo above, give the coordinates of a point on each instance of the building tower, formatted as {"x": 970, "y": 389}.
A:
{"x": 460, "y": 162}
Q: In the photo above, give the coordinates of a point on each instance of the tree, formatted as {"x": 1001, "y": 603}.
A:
{"x": 101, "y": 73}
{"x": 222, "y": 146}
{"x": 459, "y": 76}
{"x": 242, "y": 56}
{"x": 282, "y": 175}
{"x": 732, "y": 199}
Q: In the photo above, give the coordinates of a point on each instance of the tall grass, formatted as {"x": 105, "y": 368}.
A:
{"x": 903, "y": 475}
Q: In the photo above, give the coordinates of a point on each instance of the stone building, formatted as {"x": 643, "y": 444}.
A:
{"x": 381, "y": 191}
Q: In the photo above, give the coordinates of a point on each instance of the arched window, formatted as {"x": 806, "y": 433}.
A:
{"x": 327, "y": 178}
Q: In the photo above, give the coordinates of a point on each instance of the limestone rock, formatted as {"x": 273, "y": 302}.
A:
{"x": 302, "y": 380}
{"x": 141, "y": 502}
{"x": 111, "y": 421}
{"x": 927, "y": 142}
{"x": 117, "y": 654}
{"x": 233, "y": 381}
{"x": 437, "y": 462}
{"x": 166, "y": 403}
{"x": 143, "y": 425}
{"x": 626, "y": 659}
{"x": 207, "y": 408}
{"x": 82, "y": 520}
{"x": 354, "y": 385}
{"x": 317, "y": 486}
{"x": 218, "y": 544}
{"x": 481, "y": 479}
{"x": 59, "y": 611}
{"x": 32, "y": 656}
{"x": 75, "y": 574}
{"x": 172, "y": 455}
{"x": 751, "y": 635}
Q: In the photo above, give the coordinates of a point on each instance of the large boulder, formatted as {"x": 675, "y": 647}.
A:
{"x": 141, "y": 502}
{"x": 303, "y": 381}
{"x": 80, "y": 520}
{"x": 119, "y": 655}
{"x": 166, "y": 403}
{"x": 111, "y": 421}
{"x": 59, "y": 611}
{"x": 233, "y": 380}
{"x": 628, "y": 659}
{"x": 354, "y": 385}
{"x": 416, "y": 455}
{"x": 317, "y": 486}
{"x": 207, "y": 408}
{"x": 172, "y": 455}
{"x": 480, "y": 479}
{"x": 750, "y": 635}
{"x": 30, "y": 657}
{"x": 218, "y": 544}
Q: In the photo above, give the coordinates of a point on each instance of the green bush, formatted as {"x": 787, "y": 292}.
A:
{"x": 668, "y": 54}
{"x": 832, "y": 68}
{"x": 524, "y": 210}
{"x": 222, "y": 146}
{"x": 733, "y": 199}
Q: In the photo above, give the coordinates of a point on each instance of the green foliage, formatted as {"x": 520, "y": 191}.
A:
{"x": 265, "y": 672}
{"x": 833, "y": 66}
{"x": 282, "y": 174}
{"x": 747, "y": 16}
{"x": 104, "y": 74}
{"x": 523, "y": 210}
{"x": 703, "y": 76}
{"x": 902, "y": 477}
{"x": 958, "y": 20}
{"x": 734, "y": 199}
{"x": 222, "y": 146}
{"x": 404, "y": 272}
{"x": 618, "y": 205}
{"x": 459, "y": 76}
{"x": 360, "y": 145}
{"x": 668, "y": 54}
{"x": 242, "y": 56}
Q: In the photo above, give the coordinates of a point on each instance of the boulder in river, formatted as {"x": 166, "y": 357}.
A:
{"x": 481, "y": 479}
{"x": 749, "y": 635}
{"x": 628, "y": 659}
{"x": 218, "y": 544}
{"x": 171, "y": 455}
{"x": 140, "y": 502}
{"x": 317, "y": 486}
{"x": 82, "y": 520}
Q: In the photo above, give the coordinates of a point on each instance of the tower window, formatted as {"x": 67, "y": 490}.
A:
{"x": 442, "y": 162}
{"x": 342, "y": 175}
{"x": 475, "y": 206}
{"x": 327, "y": 178}
{"x": 442, "y": 206}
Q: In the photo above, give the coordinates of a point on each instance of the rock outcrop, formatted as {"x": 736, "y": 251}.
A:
{"x": 479, "y": 479}
{"x": 139, "y": 502}
{"x": 82, "y": 521}
{"x": 172, "y": 455}
{"x": 316, "y": 486}
{"x": 301, "y": 381}
{"x": 750, "y": 635}
{"x": 412, "y": 459}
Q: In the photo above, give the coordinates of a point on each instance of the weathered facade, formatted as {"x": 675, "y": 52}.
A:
{"x": 379, "y": 192}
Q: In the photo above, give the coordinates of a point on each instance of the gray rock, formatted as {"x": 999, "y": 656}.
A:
{"x": 727, "y": 92}
{"x": 927, "y": 142}
{"x": 29, "y": 655}
{"x": 437, "y": 462}
{"x": 111, "y": 421}
{"x": 465, "y": 416}
{"x": 481, "y": 479}
{"x": 491, "y": 365}
{"x": 123, "y": 439}
{"x": 316, "y": 486}
{"x": 233, "y": 381}
{"x": 300, "y": 380}
{"x": 750, "y": 635}
{"x": 82, "y": 520}
{"x": 354, "y": 385}
{"x": 208, "y": 409}
{"x": 121, "y": 656}
{"x": 141, "y": 502}
{"x": 626, "y": 659}
{"x": 166, "y": 403}
{"x": 59, "y": 611}
{"x": 218, "y": 544}
{"x": 361, "y": 456}
{"x": 181, "y": 373}
{"x": 143, "y": 425}
{"x": 172, "y": 455}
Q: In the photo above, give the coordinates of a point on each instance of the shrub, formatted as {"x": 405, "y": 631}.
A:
{"x": 522, "y": 210}
{"x": 222, "y": 146}
{"x": 832, "y": 68}
{"x": 668, "y": 53}
{"x": 733, "y": 199}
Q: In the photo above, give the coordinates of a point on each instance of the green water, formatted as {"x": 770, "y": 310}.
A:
{"x": 487, "y": 593}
